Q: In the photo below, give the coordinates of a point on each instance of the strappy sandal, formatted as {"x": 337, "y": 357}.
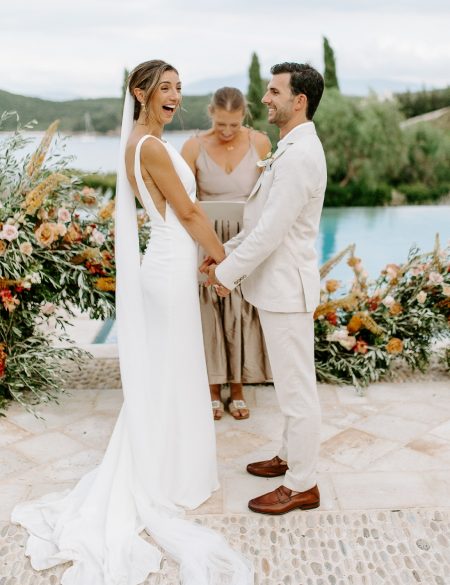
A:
{"x": 234, "y": 406}
{"x": 218, "y": 409}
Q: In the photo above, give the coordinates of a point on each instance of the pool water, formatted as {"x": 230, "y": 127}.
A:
{"x": 382, "y": 235}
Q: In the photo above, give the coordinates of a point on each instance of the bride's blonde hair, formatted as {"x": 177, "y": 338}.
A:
{"x": 146, "y": 76}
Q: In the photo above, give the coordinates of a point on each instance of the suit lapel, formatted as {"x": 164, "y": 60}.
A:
{"x": 276, "y": 155}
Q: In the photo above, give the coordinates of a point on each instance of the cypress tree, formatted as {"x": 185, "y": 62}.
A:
{"x": 255, "y": 89}
{"x": 330, "y": 77}
{"x": 126, "y": 73}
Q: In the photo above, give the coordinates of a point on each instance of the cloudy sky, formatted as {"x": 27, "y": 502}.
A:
{"x": 63, "y": 49}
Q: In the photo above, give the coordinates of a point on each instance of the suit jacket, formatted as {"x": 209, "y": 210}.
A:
{"x": 273, "y": 257}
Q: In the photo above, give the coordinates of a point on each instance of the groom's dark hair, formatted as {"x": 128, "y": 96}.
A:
{"x": 304, "y": 79}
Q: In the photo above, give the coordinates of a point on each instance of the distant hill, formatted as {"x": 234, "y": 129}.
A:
{"x": 101, "y": 115}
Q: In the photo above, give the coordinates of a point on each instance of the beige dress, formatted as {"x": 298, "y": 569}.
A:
{"x": 234, "y": 342}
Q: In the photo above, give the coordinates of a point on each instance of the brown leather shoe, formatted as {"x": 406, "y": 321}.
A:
{"x": 271, "y": 468}
{"x": 283, "y": 500}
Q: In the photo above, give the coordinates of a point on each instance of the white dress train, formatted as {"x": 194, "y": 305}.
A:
{"x": 161, "y": 456}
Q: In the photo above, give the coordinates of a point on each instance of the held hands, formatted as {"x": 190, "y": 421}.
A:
{"x": 208, "y": 266}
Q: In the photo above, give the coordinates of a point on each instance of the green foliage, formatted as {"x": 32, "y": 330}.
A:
{"x": 193, "y": 115}
{"x": 330, "y": 75}
{"x": 362, "y": 139}
{"x": 420, "y": 102}
{"x": 418, "y": 193}
{"x": 126, "y": 74}
{"x": 105, "y": 114}
{"x": 428, "y": 155}
{"x": 255, "y": 90}
{"x": 103, "y": 183}
{"x": 357, "y": 194}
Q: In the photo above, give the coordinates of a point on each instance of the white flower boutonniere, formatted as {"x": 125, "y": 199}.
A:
{"x": 266, "y": 161}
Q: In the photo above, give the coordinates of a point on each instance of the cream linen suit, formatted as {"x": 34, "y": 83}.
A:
{"x": 274, "y": 260}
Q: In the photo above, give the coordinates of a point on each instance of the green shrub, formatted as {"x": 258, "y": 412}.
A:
{"x": 417, "y": 193}
{"x": 357, "y": 194}
{"x": 101, "y": 182}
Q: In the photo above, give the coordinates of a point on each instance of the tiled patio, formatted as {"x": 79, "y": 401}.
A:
{"x": 384, "y": 476}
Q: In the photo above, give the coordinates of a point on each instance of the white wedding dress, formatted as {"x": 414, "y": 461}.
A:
{"x": 161, "y": 457}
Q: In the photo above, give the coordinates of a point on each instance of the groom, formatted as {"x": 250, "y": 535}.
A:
{"x": 275, "y": 260}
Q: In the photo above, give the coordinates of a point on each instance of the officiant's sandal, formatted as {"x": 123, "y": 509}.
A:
{"x": 218, "y": 409}
{"x": 238, "y": 409}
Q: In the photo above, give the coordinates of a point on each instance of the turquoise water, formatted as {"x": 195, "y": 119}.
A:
{"x": 382, "y": 235}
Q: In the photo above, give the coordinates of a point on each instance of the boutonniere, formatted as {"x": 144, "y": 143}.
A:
{"x": 266, "y": 161}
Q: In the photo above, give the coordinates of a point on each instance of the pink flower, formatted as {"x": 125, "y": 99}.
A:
{"x": 435, "y": 278}
{"x": 388, "y": 301}
{"x": 61, "y": 229}
{"x": 97, "y": 237}
{"x": 421, "y": 297}
{"x": 9, "y": 232}
{"x": 63, "y": 215}
{"x": 417, "y": 270}
{"x": 48, "y": 308}
{"x": 341, "y": 336}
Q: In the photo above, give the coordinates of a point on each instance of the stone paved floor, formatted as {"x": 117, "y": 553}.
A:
{"x": 384, "y": 475}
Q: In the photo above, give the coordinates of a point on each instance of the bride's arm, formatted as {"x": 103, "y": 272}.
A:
{"x": 156, "y": 160}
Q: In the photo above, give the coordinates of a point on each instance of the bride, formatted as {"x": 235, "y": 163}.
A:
{"x": 161, "y": 456}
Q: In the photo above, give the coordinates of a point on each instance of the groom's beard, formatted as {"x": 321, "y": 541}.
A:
{"x": 281, "y": 116}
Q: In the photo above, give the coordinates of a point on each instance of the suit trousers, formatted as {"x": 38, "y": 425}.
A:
{"x": 290, "y": 345}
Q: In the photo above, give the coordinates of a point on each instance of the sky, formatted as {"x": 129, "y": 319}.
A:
{"x": 60, "y": 49}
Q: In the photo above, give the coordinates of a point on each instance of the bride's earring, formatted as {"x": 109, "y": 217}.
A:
{"x": 143, "y": 107}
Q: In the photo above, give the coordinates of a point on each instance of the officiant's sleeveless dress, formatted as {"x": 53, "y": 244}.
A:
{"x": 163, "y": 462}
{"x": 234, "y": 342}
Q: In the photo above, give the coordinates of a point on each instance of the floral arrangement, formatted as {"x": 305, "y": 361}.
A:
{"x": 56, "y": 256}
{"x": 359, "y": 336}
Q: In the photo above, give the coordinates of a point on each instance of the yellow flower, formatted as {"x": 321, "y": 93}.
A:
{"x": 106, "y": 284}
{"x": 332, "y": 285}
{"x": 37, "y": 196}
{"x": 40, "y": 153}
{"x": 106, "y": 211}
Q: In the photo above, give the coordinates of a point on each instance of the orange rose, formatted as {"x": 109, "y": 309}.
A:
{"x": 355, "y": 324}
{"x": 394, "y": 345}
{"x": 2, "y": 247}
{"x": 395, "y": 309}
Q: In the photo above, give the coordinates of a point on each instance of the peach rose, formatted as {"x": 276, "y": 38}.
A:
{"x": 26, "y": 248}
{"x": 45, "y": 234}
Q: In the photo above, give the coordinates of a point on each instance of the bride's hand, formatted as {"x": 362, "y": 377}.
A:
{"x": 207, "y": 262}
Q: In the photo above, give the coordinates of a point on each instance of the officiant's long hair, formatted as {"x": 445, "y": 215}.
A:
{"x": 146, "y": 76}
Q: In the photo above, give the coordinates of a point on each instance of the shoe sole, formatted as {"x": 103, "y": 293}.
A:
{"x": 309, "y": 507}
{"x": 265, "y": 474}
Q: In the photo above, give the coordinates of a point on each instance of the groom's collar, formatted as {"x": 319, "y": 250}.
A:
{"x": 297, "y": 131}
